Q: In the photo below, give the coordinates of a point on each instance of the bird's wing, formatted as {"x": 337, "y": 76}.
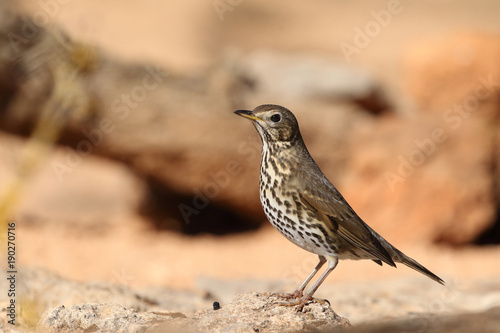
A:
{"x": 322, "y": 198}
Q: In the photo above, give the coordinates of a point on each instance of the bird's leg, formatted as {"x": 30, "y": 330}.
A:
{"x": 300, "y": 290}
{"x": 300, "y": 302}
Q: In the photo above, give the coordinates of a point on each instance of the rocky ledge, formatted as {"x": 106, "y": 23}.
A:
{"x": 252, "y": 312}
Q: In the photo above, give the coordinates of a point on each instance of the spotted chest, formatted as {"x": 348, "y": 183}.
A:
{"x": 283, "y": 209}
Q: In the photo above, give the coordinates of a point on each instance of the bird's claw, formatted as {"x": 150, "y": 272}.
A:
{"x": 296, "y": 294}
{"x": 298, "y": 302}
{"x": 302, "y": 301}
{"x": 321, "y": 301}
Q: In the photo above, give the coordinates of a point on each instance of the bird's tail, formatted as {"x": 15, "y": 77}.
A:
{"x": 412, "y": 263}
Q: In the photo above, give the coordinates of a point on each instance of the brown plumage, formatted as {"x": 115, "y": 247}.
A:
{"x": 307, "y": 209}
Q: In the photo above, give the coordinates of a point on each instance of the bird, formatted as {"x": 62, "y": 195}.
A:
{"x": 307, "y": 208}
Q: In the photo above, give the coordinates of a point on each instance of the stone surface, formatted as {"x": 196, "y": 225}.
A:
{"x": 256, "y": 312}
{"x": 100, "y": 318}
{"x": 246, "y": 313}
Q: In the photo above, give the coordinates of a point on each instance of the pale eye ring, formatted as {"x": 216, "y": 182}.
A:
{"x": 276, "y": 118}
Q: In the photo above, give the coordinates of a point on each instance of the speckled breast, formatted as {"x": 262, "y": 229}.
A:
{"x": 282, "y": 208}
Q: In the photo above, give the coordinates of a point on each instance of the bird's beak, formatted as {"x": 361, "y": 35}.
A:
{"x": 246, "y": 114}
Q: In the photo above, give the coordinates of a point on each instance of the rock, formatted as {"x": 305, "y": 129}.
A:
{"x": 141, "y": 121}
{"x": 251, "y": 313}
{"x": 92, "y": 196}
{"x": 256, "y": 312}
{"x": 45, "y": 72}
{"x": 246, "y": 313}
{"x": 462, "y": 68}
{"x": 199, "y": 161}
{"x": 292, "y": 78}
{"x": 102, "y": 318}
{"x": 414, "y": 191}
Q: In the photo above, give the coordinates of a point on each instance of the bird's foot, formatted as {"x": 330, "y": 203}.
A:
{"x": 296, "y": 294}
{"x": 302, "y": 301}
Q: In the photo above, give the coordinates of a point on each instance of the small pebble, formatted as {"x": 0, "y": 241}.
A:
{"x": 216, "y": 305}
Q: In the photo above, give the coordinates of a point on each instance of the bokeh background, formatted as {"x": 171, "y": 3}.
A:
{"x": 121, "y": 159}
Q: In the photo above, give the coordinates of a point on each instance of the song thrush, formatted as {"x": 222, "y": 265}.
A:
{"x": 307, "y": 209}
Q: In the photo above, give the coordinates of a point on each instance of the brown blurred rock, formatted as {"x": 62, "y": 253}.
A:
{"x": 150, "y": 119}
{"x": 422, "y": 180}
{"x": 458, "y": 69}
{"x": 93, "y": 197}
{"x": 179, "y": 133}
{"x": 456, "y": 80}
{"x": 294, "y": 78}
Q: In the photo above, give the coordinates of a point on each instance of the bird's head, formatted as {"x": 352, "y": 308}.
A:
{"x": 273, "y": 122}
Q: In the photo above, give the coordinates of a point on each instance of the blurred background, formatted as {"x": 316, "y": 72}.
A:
{"x": 121, "y": 159}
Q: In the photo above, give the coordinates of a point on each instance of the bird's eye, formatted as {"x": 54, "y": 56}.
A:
{"x": 276, "y": 117}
